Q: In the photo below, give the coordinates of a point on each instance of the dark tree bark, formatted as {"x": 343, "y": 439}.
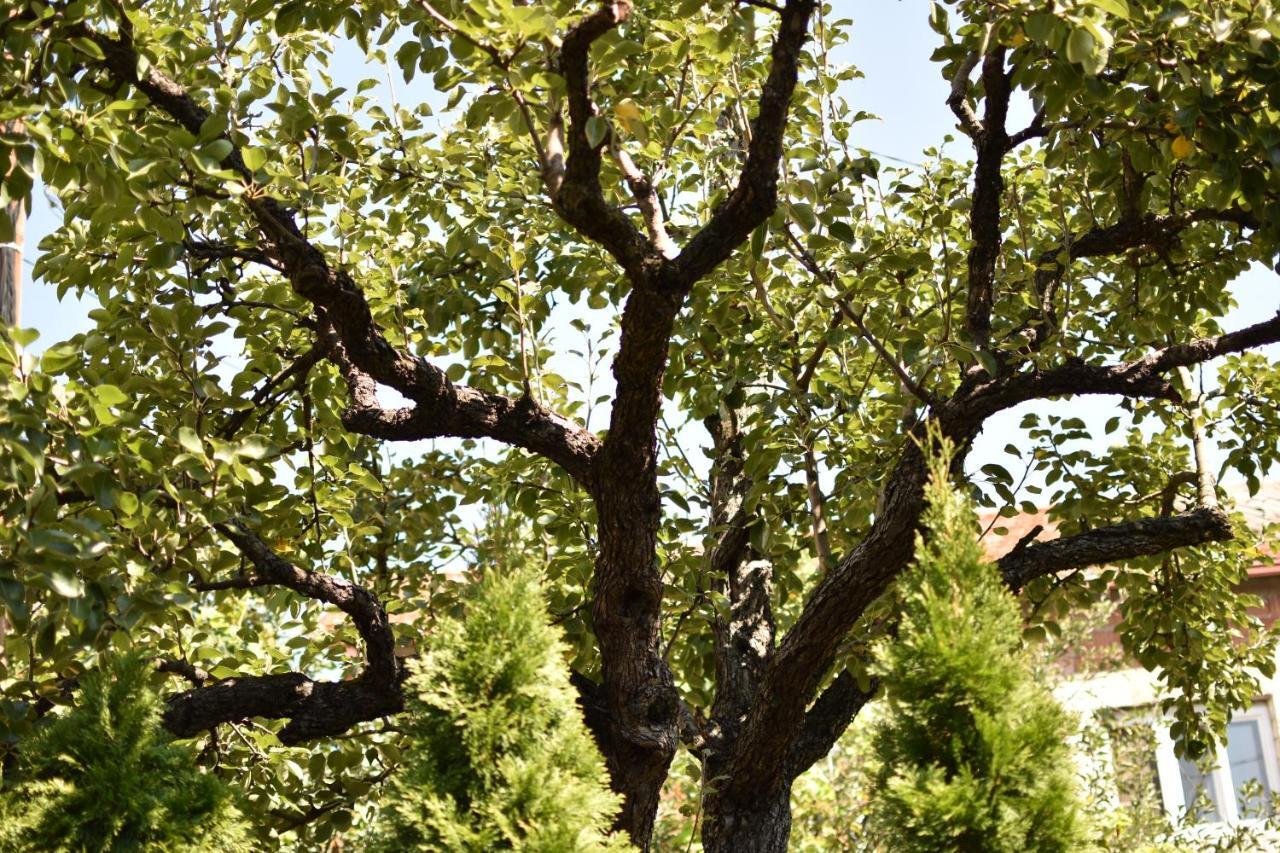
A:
{"x": 762, "y": 826}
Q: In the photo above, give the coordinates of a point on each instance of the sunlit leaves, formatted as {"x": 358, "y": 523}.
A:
{"x": 402, "y": 145}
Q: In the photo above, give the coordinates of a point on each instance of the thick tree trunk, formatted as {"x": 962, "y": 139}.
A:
{"x": 759, "y": 825}
{"x": 641, "y": 706}
{"x": 637, "y": 772}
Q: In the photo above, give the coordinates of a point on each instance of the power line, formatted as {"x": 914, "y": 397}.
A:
{"x": 895, "y": 159}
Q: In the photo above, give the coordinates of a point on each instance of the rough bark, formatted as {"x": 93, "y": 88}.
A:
{"x": 638, "y": 688}
{"x": 760, "y": 826}
{"x": 990, "y": 142}
{"x": 641, "y": 730}
{"x": 1106, "y": 545}
{"x": 314, "y": 709}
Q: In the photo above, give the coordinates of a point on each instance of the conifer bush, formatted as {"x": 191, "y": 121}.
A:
{"x": 106, "y": 777}
{"x": 499, "y": 757}
{"x": 971, "y": 752}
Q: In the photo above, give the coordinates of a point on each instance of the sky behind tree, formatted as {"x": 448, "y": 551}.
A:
{"x": 891, "y": 44}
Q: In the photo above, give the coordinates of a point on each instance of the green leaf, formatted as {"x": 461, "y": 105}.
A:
{"x": 289, "y": 17}
{"x": 1118, "y": 8}
{"x": 804, "y": 215}
{"x": 190, "y": 441}
{"x": 218, "y": 149}
{"x": 59, "y": 358}
{"x": 109, "y": 395}
{"x": 1080, "y": 45}
{"x": 254, "y": 447}
{"x": 597, "y": 129}
{"x": 88, "y": 46}
{"x": 13, "y": 593}
{"x": 841, "y": 231}
{"x": 24, "y": 337}
{"x": 254, "y": 158}
{"x": 758, "y": 238}
{"x": 128, "y": 502}
{"x": 65, "y": 583}
{"x": 988, "y": 362}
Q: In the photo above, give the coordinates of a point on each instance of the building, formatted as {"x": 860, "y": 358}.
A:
{"x": 1118, "y": 699}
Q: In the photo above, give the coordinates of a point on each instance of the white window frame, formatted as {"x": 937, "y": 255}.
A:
{"x": 1219, "y": 776}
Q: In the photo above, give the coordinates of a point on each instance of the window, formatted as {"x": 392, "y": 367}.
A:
{"x": 1235, "y": 784}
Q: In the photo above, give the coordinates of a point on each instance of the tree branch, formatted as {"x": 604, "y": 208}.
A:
{"x": 807, "y": 259}
{"x": 299, "y": 368}
{"x": 313, "y": 708}
{"x": 646, "y": 196}
{"x": 1143, "y": 377}
{"x": 777, "y": 718}
{"x": 186, "y": 669}
{"x": 754, "y": 198}
{"x": 579, "y": 198}
{"x": 898, "y": 368}
{"x": 809, "y": 648}
{"x": 991, "y": 143}
{"x": 366, "y": 612}
{"x": 958, "y": 100}
{"x": 1108, "y": 545}
{"x": 830, "y": 715}
{"x": 441, "y": 407}
{"x": 1132, "y": 233}
{"x": 471, "y": 413}
{"x": 745, "y": 640}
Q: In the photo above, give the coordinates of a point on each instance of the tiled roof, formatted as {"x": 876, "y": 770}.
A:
{"x": 1260, "y": 511}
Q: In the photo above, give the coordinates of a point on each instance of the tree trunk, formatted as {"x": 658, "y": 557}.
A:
{"x": 638, "y": 695}
{"x": 759, "y": 825}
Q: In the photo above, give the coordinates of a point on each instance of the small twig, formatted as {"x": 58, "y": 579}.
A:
{"x": 184, "y": 668}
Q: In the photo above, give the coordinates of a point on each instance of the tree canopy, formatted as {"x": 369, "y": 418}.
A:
{"x": 629, "y": 302}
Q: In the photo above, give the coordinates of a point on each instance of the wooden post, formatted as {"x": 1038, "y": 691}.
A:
{"x": 11, "y": 252}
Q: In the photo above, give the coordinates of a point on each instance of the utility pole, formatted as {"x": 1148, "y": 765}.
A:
{"x": 11, "y": 251}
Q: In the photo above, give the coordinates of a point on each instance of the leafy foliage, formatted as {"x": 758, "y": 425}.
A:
{"x": 972, "y": 751}
{"x": 106, "y": 777}
{"x": 497, "y": 756}
{"x": 403, "y": 138}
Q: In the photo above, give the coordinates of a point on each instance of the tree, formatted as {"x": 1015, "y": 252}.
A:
{"x": 107, "y": 777}
{"x": 498, "y": 757}
{"x": 333, "y": 326}
{"x": 973, "y": 752}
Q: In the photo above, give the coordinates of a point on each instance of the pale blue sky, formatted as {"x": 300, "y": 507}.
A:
{"x": 891, "y": 43}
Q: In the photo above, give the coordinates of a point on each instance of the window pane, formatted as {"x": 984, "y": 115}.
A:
{"x": 1248, "y": 768}
{"x": 1197, "y": 792}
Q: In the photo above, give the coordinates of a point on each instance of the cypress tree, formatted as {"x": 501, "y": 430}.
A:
{"x": 971, "y": 752}
{"x": 498, "y": 757}
{"x": 106, "y": 777}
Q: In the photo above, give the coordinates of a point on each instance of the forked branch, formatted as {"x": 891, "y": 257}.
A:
{"x": 368, "y": 359}
{"x": 313, "y": 708}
